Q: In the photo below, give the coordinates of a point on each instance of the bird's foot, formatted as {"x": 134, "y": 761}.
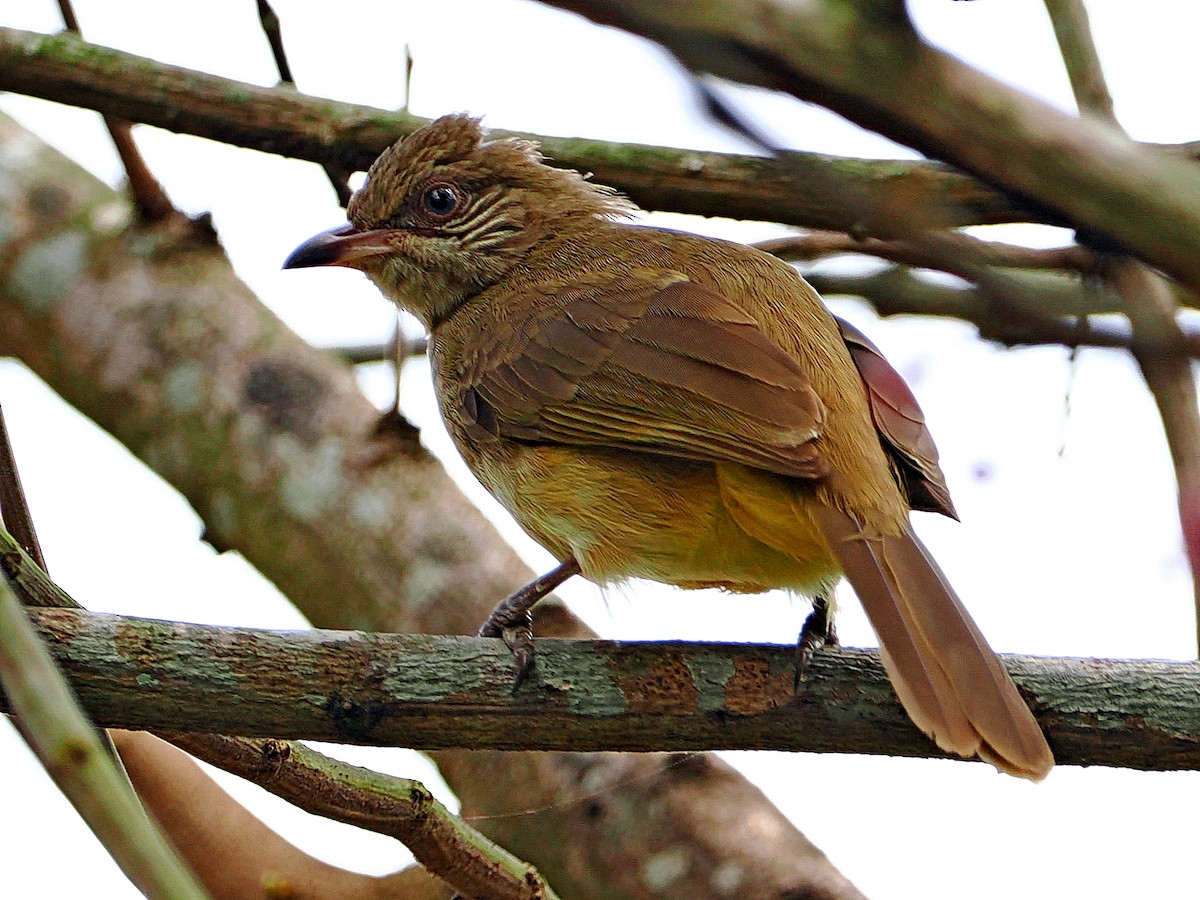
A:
{"x": 818, "y": 632}
{"x": 512, "y": 620}
{"x": 517, "y": 633}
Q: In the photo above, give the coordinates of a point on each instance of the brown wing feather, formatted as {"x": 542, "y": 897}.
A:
{"x": 901, "y": 424}
{"x": 665, "y": 366}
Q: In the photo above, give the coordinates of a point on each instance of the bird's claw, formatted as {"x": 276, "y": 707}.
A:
{"x": 519, "y": 639}
{"x": 818, "y": 632}
{"x": 513, "y": 621}
{"x": 517, "y": 634}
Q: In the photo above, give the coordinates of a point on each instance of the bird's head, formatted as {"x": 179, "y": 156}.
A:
{"x": 444, "y": 215}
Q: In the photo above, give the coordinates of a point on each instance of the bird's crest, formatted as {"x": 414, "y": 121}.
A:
{"x": 453, "y": 146}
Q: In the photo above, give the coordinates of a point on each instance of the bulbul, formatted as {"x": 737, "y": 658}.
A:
{"x": 654, "y": 404}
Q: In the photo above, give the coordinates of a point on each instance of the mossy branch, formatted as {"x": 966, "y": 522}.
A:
{"x": 444, "y": 692}
{"x": 347, "y": 137}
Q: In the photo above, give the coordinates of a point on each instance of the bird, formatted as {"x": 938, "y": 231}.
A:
{"x": 651, "y": 403}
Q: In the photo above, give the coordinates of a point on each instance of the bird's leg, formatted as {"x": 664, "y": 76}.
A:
{"x": 818, "y": 632}
{"x": 512, "y": 620}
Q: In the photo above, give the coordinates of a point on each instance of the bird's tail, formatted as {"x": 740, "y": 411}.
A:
{"x": 949, "y": 680}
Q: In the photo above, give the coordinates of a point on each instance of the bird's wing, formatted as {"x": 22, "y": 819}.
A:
{"x": 656, "y": 364}
{"x": 900, "y": 424}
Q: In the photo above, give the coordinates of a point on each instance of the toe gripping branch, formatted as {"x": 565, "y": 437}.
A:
{"x": 512, "y": 618}
{"x": 818, "y": 632}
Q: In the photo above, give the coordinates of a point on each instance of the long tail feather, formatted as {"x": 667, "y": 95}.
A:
{"x": 949, "y": 680}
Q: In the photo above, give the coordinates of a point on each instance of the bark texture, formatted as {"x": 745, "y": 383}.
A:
{"x": 435, "y": 692}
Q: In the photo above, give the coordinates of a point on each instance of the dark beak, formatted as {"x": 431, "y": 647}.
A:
{"x": 341, "y": 246}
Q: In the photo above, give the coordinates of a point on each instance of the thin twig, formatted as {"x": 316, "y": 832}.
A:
{"x": 376, "y": 351}
{"x": 1159, "y": 344}
{"x": 896, "y": 291}
{"x": 14, "y": 508}
{"x": 269, "y": 19}
{"x": 1005, "y": 309}
{"x": 1004, "y": 296}
{"x": 397, "y": 807}
{"x": 149, "y": 197}
{"x": 399, "y": 350}
{"x": 408, "y": 73}
{"x": 1069, "y": 19}
{"x": 816, "y": 244}
{"x": 16, "y": 516}
{"x": 339, "y": 178}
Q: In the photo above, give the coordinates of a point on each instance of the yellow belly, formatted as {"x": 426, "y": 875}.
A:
{"x": 684, "y": 523}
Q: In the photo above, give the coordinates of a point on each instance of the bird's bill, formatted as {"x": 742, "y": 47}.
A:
{"x": 341, "y": 246}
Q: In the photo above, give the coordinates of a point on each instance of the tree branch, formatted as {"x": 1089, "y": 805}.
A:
{"x": 14, "y": 509}
{"x": 877, "y": 72}
{"x": 1069, "y": 19}
{"x": 814, "y": 245}
{"x": 54, "y": 67}
{"x": 1007, "y": 304}
{"x": 459, "y": 856}
{"x": 398, "y": 807}
{"x": 1126, "y": 191}
{"x": 240, "y": 856}
{"x": 349, "y": 137}
{"x": 430, "y": 692}
{"x": 437, "y": 692}
{"x": 898, "y": 292}
{"x": 268, "y": 19}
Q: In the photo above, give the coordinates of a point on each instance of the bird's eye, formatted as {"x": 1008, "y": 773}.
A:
{"x": 441, "y": 199}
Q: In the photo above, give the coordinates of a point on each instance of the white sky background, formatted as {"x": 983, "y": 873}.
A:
{"x": 1069, "y": 534}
